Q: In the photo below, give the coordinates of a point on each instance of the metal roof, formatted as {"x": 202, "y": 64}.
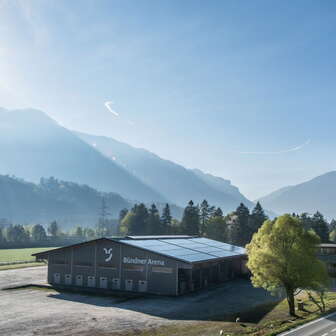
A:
{"x": 187, "y": 249}
{"x": 159, "y": 237}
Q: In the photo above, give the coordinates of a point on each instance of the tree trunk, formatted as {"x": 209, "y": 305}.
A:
{"x": 291, "y": 301}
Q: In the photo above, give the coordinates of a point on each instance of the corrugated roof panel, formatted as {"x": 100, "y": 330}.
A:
{"x": 188, "y": 249}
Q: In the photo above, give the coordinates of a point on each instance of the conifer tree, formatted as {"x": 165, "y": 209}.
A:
{"x": 190, "y": 222}
{"x": 153, "y": 226}
{"x": 257, "y": 219}
{"x": 204, "y": 216}
{"x": 320, "y": 226}
{"x": 240, "y": 226}
{"x": 166, "y": 220}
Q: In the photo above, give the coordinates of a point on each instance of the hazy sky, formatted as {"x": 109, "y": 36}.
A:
{"x": 241, "y": 89}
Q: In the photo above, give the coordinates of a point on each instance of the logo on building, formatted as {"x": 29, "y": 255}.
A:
{"x": 136, "y": 260}
{"x": 108, "y": 254}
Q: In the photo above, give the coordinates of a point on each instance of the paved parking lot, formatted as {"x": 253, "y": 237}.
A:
{"x": 42, "y": 312}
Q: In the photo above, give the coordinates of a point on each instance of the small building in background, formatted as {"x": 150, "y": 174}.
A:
{"x": 167, "y": 265}
{"x": 327, "y": 253}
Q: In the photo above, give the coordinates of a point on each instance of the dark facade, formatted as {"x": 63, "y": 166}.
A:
{"x": 327, "y": 253}
{"x": 137, "y": 264}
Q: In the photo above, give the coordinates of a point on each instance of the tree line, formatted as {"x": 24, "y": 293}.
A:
{"x": 202, "y": 219}
{"x": 198, "y": 219}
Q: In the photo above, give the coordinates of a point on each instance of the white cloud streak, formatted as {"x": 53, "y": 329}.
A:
{"x": 108, "y": 106}
{"x": 294, "y": 149}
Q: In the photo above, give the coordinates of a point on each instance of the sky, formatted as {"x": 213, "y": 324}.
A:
{"x": 240, "y": 89}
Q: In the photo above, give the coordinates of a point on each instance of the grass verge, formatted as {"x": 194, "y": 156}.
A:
{"x": 268, "y": 323}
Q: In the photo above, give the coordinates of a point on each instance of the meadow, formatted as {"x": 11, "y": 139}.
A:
{"x": 21, "y": 254}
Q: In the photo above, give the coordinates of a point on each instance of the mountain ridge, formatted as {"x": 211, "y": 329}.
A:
{"x": 309, "y": 196}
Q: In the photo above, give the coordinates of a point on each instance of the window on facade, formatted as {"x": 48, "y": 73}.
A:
{"x": 157, "y": 269}
{"x": 134, "y": 268}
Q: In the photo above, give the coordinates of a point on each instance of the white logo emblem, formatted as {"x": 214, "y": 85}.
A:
{"x": 108, "y": 253}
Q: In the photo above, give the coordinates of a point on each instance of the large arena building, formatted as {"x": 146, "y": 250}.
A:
{"x": 167, "y": 265}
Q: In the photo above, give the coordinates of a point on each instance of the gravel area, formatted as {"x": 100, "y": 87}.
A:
{"x": 48, "y": 312}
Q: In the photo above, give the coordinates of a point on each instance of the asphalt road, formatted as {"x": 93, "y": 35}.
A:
{"x": 325, "y": 326}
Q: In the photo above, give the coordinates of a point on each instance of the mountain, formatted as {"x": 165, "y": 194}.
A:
{"x": 33, "y": 145}
{"x": 318, "y": 194}
{"x": 174, "y": 181}
{"x": 67, "y": 202}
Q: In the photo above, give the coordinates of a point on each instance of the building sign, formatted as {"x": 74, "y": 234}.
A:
{"x": 138, "y": 261}
{"x": 108, "y": 254}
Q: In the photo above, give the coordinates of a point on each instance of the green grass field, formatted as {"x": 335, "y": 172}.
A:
{"x": 24, "y": 254}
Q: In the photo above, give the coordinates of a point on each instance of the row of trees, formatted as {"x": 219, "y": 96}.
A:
{"x": 205, "y": 220}
{"x": 202, "y": 219}
{"x": 20, "y": 235}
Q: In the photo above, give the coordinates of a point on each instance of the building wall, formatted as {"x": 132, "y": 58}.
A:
{"x": 105, "y": 263}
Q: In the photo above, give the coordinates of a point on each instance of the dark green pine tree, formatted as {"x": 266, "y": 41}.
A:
{"x": 153, "y": 221}
{"x": 320, "y": 226}
{"x": 218, "y": 212}
{"x": 242, "y": 229}
{"x": 306, "y": 220}
{"x": 257, "y": 219}
{"x": 204, "y": 216}
{"x": 190, "y": 221}
{"x": 166, "y": 220}
{"x": 137, "y": 224}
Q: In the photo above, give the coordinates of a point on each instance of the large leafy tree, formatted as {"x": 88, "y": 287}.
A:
{"x": 282, "y": 255}
{"x": 190, "y": 222}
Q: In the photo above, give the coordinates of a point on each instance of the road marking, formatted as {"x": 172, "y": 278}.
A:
{"x": 325, "y": 334}
{"x": 307, "y": 324}
{"x": 333, "y": 330}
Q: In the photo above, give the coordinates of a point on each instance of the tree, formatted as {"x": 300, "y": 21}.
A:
{"x": 217, "y": 228}
{"x": 190, "y": 221}
{"x": 243, "y": 215}
{"x": 282, "y": 254}
{"x": 204, "y": 216}
{"x": 332, "y": 225}
{"x": 153, "y": 226}
{"x": 53, "y": 229}
{"x": 332, "y": 236}
{"x": 79, "y": 232}
{"x": 166, "y": 220}
{"x": 17, "y": 234}
{"x": 135, "y": 222}
{"x": 306, "y": 220}
{"x": 320, "y": 226}
{"x": 257, "y": 217}
{"x": 38, "y": 233}
{"x": 122, "y": 214}
{"x": 217, "y": 212}
{"x": 89, "y": 233}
